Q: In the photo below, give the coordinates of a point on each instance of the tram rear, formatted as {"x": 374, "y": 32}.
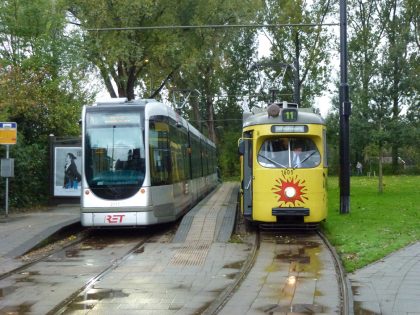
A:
{"x": 284, "y": 167}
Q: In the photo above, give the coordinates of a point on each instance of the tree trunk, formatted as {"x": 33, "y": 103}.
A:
{"x": 380, "y": 174}
{"x": 196, "y": 112}
{"x": 210, "y": 121}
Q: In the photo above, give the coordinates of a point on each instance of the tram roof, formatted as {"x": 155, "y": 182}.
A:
{"x": 305, "y": 116}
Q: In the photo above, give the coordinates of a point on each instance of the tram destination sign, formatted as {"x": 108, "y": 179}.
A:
{"x": 8, "y": 132}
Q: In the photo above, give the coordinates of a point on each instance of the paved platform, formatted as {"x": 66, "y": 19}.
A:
{"x": 22, "y": 231}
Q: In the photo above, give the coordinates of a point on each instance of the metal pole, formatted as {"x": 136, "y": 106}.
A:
{"x": 345, "y": 108}
{"x": 7, "y": 187}
{"x": 296, "y": 85}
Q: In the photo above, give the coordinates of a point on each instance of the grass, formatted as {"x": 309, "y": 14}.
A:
{"x": 377, "y": 224}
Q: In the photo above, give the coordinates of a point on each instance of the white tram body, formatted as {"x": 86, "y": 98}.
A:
{"x": 142, "y": 164}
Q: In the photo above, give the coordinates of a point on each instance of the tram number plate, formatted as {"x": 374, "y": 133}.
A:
{"x": 114, "y": 218}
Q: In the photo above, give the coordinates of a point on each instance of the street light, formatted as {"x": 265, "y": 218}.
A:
{"x": 345, "y": 109}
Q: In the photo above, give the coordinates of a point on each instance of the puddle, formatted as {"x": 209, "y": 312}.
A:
{"x": 27, "y": 276}
{"x": 72, "y": 253}
{"x": 355, "y": 290}
{"x": 235, "y": 265}
{"x": 303, "y": 259}
{"x": 292, "y": 256}
{"x": 297, "y": 241}
{"x": 360, "y": 307}
{"x": 6, "y": 291}
{"x": 298, "y": 260}
{"x": 24, "y": 308}
{"x": 359, "y": 310}
{"x": 295, "y": 309}
{"x": 202, "y": 309}
{"x": 139, "y": 250}
{"x": 93, "y": 246}
{"x": 89, "y": 299}
{"x": 318, "y": 293}
{"x": 231, "y": 275}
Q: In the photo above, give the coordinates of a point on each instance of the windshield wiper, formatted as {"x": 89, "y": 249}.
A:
{"x": 272, "y": 161}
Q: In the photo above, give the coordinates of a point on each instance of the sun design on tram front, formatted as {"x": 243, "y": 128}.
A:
{"x": 290, "y": 191}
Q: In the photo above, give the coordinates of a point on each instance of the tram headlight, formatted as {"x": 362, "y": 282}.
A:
{"x": 290, "y": 192}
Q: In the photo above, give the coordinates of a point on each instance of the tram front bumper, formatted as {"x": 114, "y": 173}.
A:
{"x": 302, "y": 212}
{"x": 128, "y": 217}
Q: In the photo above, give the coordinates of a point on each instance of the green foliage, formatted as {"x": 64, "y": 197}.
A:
{"x": 310, "y": 45}
{"x": 228, "y": 154}
{"x": 43, "y": 87}
{"x": 29, "y": 187}
{"x": 377, "y": 224}
{"x": 381, "y": 71}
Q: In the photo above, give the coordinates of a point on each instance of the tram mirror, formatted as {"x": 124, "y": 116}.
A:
{"x": 241, "y": 146}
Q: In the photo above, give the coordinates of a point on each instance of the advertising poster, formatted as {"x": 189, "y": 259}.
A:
{"x": 67, "y": 167}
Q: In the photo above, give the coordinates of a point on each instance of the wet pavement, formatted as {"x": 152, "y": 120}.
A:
{"x": 390, "y": 286}
{"x": 293, "y": 274}
{"x": 41, "y": 286}
{"x": 185, "y": 276}
{"x": 23, "y": 231}
{"x": 182, "y": 277}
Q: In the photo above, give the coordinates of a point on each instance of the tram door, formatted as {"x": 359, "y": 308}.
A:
{"x": 248, "y": 174}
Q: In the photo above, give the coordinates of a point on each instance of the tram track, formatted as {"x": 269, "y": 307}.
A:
{"x": 38, "y": 255}
{"x": 287, "y": 276}
{"x": 345, "y": 288}
{"x": 64, "y": 305}
{"x": 51, "y": 282}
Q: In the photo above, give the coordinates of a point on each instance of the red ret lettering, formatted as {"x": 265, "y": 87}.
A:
{"x": 114, "y": 218}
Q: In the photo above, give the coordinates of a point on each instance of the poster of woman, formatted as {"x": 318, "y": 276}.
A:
{"x": 67, "y": 171}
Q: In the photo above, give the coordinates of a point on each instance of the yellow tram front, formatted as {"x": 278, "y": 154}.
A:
{"x": 284, "y": 167}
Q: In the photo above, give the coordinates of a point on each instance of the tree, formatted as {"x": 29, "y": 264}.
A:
{"x": 305, "y": 48}
{"x": 208, "y": 53}
{"x": 380, "y": 63}
{"x": 125, "y": 57}
{"x": 43, "y": 86}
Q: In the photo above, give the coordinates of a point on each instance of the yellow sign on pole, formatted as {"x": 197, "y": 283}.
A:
{"x": 8, "y": 132}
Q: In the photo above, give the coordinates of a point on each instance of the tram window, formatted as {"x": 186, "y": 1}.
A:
{"x": 195, "y": 157}
{"x": 160, "y": 169}
{"x": 179, "y": 145}
{"x": 288, "y": 153}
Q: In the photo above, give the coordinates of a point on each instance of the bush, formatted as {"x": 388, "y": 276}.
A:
{"x": 30, "y": 185}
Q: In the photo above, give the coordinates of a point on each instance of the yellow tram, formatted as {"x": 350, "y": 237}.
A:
{"x": 284, "y": 167}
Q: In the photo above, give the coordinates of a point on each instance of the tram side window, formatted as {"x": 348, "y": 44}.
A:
{"x": 179, "y": 153}
{"x": 214, "y": 160}
{"x": 160, "y": 168}
{"x": 285, "y": 152}
{"x": 205, "y": 159}
{"x": 196, "y": 157}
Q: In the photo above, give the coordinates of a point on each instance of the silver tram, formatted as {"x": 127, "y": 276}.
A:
{"x": 142, "y": 164}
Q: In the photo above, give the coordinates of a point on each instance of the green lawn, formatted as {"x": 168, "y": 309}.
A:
{"x": 377, "y": 224}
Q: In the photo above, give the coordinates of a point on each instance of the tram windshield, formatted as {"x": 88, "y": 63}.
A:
{"x": 282, "y": 152}
{"x": 114, "y": 152}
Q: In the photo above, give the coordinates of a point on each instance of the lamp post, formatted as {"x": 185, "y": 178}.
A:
{"x": 344, "y": 111}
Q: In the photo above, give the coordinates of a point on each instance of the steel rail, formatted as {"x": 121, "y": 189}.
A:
{"x": 62, "y": 306}
{"x": 346, "y": 295}
{"x": 226, "y": 294}
{"x": 83, "y": 235}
